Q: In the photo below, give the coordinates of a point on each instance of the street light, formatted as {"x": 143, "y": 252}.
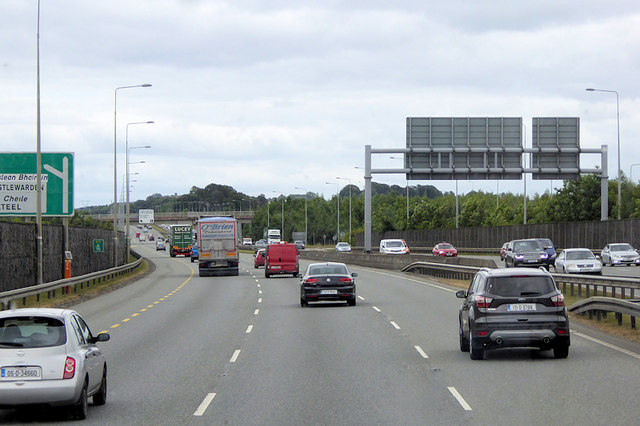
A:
{"x": 338, "y": 177}
{"x": 305, "y": 213}
{"x": 127, "y": 150}
{"x": 115, "y": 169}
{"x": 281, "y": 230}
{"x": 618, "y": 123}
{"x": 338, "y": 197}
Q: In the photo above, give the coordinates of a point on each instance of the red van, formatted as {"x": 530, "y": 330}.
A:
{"x": 281, "y": 259}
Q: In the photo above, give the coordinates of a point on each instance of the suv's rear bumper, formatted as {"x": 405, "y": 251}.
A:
{"x": 543, "y": 337}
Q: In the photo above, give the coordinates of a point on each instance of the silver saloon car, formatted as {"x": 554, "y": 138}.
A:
{"x": 578, "y": 261}
{"x": 620, "y": 254}
{"x": 49, "y": 356}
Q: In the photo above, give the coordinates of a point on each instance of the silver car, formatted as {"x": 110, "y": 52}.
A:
{"x": 49, "y": 356}
{"x": 619, "y": 254}
{"x": 343, "y": 247}
{"x": 578, "y": 261}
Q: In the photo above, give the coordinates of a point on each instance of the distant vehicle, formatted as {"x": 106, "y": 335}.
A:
{"x": 137, "y": 235}
{"x": 444, "y": 249}
{"x": 217, "y": 246}
{"x": 503, "y": 250}
{"x": 194, "y": 253}
{"x": 299, "y": 244}
{"x": 619, "y": 254}
{"x": 260, "y": 244}
{"x": 519, "y": 307}
{"x": 281, "y": 258}
{"x": 343, "y": 247}
{"x": 273, "y": 236}
{"x": 578, "y": 261}
{"x": 548, "y": 246}
{"x": 394, "y": 247}
{"x": 180, "y": 240}
{"x": 247, "y": 241}
{"x": 160, "y": 245}
{"x": 49, "y": 356}
{"x": 151, "y": 237}
{"x": 327, "y": 281}
{"x": 142, "y": 237}
{"x": 258, "y": 258}
{"x": 528, "y": 252}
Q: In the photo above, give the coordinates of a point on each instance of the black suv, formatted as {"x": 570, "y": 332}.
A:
{"x": 528, "y": 252}
{"x": 519, "y": 307}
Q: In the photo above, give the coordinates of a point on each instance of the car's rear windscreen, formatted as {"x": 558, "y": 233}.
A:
{"x": 518, "y": 286}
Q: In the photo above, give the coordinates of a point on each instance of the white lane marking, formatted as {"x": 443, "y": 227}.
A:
{"x": 460, "y": 399}
{"x": 204, "y": 405}
{"x": 256, "y": 312}
{"x": 360, "y": 297}
{"x": 397, "y": 327}
{"x": 259, "y": 291}
{"x": 375, "y": 308}
{"x": 258, "y": 285}
{"x": 421, "y": 352}
{"x": 235, "y": 356}
{"x": 249, "y": 329}
{"x": 259, "y": 299}
{"x": 608, "y": 345}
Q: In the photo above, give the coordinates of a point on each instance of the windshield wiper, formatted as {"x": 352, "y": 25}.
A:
{"x": 12, "y": 344}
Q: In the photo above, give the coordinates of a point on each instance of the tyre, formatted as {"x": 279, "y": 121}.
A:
{"x": 100, "y": 398}
{"x": 81, "y": 407}
{"x": 266, "y": 274}
{"x": 464, "y": 343}
{"x": 564, "y": 269}
{"x": 192, "y": 260}
{"x": 475, "y": 352}
{"x": 560, "y": 351}
{"x": 303, "y": 303}
{"x": 351, "y": 302}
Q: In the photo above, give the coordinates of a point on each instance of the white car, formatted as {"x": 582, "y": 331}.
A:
{"x": 619, "y": 254}
{"x": 49, "y": 356}
{"x": 343, "y": 247}
{"x": 578, "y": 261}
{"x": 394, "y": 247}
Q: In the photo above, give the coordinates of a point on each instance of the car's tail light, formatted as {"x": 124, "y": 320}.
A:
{"x": 346, "y": 280}
{"x": 562, "y": 331}
{"x": 69, "y": 368}
{"x": 558, "y": 300}
{"x": 311, "y": 281}
{"x": 483, "y": 301}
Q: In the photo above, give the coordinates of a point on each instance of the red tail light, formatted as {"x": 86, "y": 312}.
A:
{"x": 346, "y": 280}
{"x": 483, "y": 301}
{"x": 311, "y": 281}
{"x": 69, "y": 368}
{"x": 558, "y": 300}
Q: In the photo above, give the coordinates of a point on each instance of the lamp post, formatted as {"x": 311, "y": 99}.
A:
{"x": 618, "y": 125}
{"x": 282, "y": 229}
{"x": 337, "y": 177}
{"x": 305, "y": 213}
{"x": 338, "y": 197}
{"x": 127, "y": 151}
{"x": 115, "y": 169}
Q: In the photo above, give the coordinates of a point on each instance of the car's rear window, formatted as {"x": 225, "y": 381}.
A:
{"x": 31, "y": 332}
{"x": 328, "y": 270}
{"x": 520, "y": 286}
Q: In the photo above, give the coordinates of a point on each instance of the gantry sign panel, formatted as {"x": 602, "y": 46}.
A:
{"x": 559, "y": 134}
{"x": 464, "y": 148}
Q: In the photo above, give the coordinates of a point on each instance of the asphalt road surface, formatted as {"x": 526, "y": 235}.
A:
{"x": 241, "y": 351}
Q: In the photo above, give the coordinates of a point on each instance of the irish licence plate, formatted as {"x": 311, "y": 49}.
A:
{"x": 521, "y": 307}
{"x": 23, "y": 373}
{"x": 328, "y": 291}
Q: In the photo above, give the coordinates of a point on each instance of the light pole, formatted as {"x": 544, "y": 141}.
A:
{"x": 338, "y": 197}
{"x": 282, "y": 199}
{"x": 618, "y": 124}
{"x": 127, "y": 219}
{"x": 115, "y": 169}
{"x": 338, "y": 177}
{"x": 305, "y": 213}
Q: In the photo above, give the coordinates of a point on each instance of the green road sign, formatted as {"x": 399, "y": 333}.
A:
{"x": 18, "y": 188}
{"x": 98, "y": 246}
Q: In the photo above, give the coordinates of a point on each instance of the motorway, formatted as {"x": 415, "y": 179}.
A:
{"x": 241, "y": 351}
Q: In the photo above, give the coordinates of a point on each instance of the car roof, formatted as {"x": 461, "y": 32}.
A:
{"x": 326, "y": 264}
{"x": 576, "y": 249}
{"x": 45, "y": 312}
{"x": 509, "y": 272}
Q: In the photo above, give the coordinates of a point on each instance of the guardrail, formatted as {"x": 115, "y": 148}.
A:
{"x": 615, "y": 293}
{"x": 8, "y": 299}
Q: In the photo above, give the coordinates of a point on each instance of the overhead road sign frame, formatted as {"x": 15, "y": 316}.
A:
{"x": 561, "y": 134}
{"x": 18, "y": 187}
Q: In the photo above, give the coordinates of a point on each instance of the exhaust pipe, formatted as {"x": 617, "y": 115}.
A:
{"x": 546, "y": 340}
{"x": 499, "y": 340}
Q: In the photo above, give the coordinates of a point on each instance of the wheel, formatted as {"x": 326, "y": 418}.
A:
{"x": 474, "y": 352}
{"x": 564, "y": 269}
{"x": 192, "y": 260}
{"x": 464, "y": 343}
{"x": 100, "y": 398}
{"x": 303, "y": 303}
{"x": 351, "y": 302}
{"x": 81, "y": 407}
{"x": 266, "y": 274}
{"x": 560, "y": 351}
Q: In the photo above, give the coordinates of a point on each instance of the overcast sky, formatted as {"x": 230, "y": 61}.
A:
{"x": 266, "y": 96}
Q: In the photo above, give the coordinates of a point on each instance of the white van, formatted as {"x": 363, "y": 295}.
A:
{"x": 394, "y": 247}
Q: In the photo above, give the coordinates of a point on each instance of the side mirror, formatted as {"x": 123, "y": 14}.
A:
{"x": 461, "y": 294}
{"x": 354, "y": 274}
{"x": 101, "y": 337}
{"x": 509, "y": 249}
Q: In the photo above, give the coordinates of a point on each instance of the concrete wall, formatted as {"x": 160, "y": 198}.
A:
{"x": 18, "y": 256}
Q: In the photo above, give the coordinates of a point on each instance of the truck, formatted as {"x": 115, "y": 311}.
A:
{"x": 273, "y": 236}
{"x": 180, "y": 240}
{"x": 218, "y": 246}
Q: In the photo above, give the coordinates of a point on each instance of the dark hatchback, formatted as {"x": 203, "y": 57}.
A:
{"x": 513, "y": 308}
{"x": 327, "y": 281}
{"x": 528, "y": 252}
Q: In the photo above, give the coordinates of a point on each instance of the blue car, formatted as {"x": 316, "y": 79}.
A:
{"x": 194, "y": 252}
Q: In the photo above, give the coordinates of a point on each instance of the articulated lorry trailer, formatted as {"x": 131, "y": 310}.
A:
{"x": 180, "y": 240}
{"x": 218, "y": 245}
